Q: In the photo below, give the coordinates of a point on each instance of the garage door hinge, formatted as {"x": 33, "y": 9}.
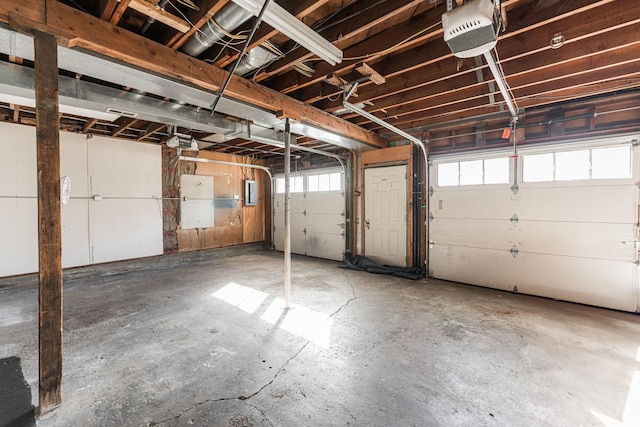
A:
{"x": 514, "y": 219}
{"x": 305, "y": 231}
{"x": 431, "y": 191}
{"x": 304, "y": 212}
{"x": 514, "y": 251}
{"x": 431, "y": 217}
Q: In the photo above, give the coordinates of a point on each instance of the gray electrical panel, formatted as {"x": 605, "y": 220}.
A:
{"x": 250, "y": 192}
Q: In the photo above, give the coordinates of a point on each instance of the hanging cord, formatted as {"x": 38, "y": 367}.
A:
{"x": 237, "y": 62}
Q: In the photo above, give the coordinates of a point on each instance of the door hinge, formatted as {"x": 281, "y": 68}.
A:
{"x": 514, "y": 219}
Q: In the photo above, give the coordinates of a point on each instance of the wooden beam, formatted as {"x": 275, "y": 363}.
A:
{"x": 120, "y": 9}
{"x": 77, "y": 29}
{"x": 160, "y": 15}
{"x": 152, "y": 129}
{"x": 431, "y": 64}
{"x": 367, "y": 71}
{"x": 208, "y": 8}
{"x": 123, "y": 123}
{"x": 16, "y": 112}
{"x": 49, "y": 222}
{"x": 108, "y": 8}
{"x": 297, "y": 8}
{"x": 88, "y": 125}
{"x": 340, "y": 35}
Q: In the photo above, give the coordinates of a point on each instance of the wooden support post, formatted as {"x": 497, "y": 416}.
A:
{"x": 49, "y": 222}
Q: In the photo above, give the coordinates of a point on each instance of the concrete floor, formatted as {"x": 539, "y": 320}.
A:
{"x": 208, "y": 344}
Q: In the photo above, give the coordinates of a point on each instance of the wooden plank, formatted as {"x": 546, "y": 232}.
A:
{"x": 49, "y": 222}
{"x": 101, "y": 37}
{"x": 117, "y": 14}
{"x": 297, "y": 8}
{"x": 160, "y": 15}
{"x": 208, "y": 8}
{"x": 88, "y": 125}
{"x": 341, "y": 34}
{"x": 367, "y": 71}
{"x": 107, "y": 9}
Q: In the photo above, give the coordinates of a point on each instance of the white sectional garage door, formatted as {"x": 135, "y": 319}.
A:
{"x": 570, "y": 231}
{"x": 317, "y": 214}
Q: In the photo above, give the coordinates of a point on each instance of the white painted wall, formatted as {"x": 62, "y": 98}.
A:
{"x": 126, "y": 223}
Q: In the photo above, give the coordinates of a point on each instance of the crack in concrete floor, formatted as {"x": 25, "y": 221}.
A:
{"x": 275, "y": 376}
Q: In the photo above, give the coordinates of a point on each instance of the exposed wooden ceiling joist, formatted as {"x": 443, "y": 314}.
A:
{"x": 75, "y": 29}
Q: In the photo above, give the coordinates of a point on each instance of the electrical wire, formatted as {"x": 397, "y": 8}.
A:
{"x": 193, "y": 26}
{"x": 244, "y": 49}
{"x": 189, "y": 4}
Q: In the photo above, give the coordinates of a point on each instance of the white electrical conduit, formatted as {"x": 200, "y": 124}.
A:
{"x": 296, "y": 147}
{"x": 248, "y": 165}
{"x": 416, "y": 141}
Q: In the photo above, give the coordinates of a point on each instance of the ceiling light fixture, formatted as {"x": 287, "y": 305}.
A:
{"x": 293, "y": 28}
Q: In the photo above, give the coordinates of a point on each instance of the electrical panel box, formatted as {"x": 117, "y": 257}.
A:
{"x": 250, "y": 192}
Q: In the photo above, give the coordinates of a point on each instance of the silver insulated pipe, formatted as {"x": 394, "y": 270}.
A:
{"x": 230, "y": 17}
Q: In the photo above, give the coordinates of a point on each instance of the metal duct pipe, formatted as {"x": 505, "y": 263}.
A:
{"x": 230, "y": 17}
{"x": 255, "y": 58}
{"x": 150, "y": 20}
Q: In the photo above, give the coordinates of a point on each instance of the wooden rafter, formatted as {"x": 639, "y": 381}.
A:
{"x": 88, "y": 125}
{"x": 298, "y": 8}
{"x": 207, "y": 9}
{"x": 160, "y": 15}
{"x": 151, "y": 130}
{"x": 122, "y": 124}
{"x": 444, "y": 85}
{"x": 74, "y": 28}
{"x": 119, "y": 11}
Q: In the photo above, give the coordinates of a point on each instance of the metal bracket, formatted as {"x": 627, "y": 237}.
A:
{"x": 431, "y": 243}
{"x": 431, "y": 191}
{"x": 305, "y": 231}
{"x": 515, "y": 188}
{"x": 514, "y": 251}
{"x": 304, "y": 213}
{"x": 514, "y": 219}
{"x": 431, "y": 217}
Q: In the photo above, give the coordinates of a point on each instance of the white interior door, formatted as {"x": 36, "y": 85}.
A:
{"x": 385, "y": 215}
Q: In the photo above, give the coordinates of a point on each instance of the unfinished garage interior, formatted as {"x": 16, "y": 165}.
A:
{"x": 319, "y": 212}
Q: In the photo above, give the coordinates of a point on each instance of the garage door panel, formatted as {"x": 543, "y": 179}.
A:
{"x": 323, "y": 223}
{"x": 582, "y": 240}
{"x": 493, "y": 203}
{"x": 496, "y": 269}
{"x": 578, "y": 204}
{"x": 325, "y": 203}
{"x": 324, "y": 245}
{"x": 490, "y": 234}
{"x": 602, "y": 283}
{"x": 574, "y": 239}
{"x": 314, "y": 223}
